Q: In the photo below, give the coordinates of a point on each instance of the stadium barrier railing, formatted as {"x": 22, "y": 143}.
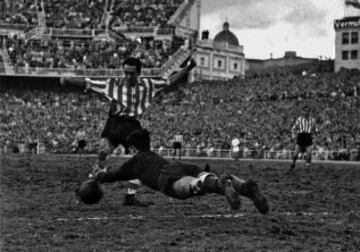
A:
{"x": 256, "y": 154}
{"x": 135, "y": 29}
{"x": 15, "y": 27}
{"x": 58, "y": 72}
{"x": 353, "y": 155}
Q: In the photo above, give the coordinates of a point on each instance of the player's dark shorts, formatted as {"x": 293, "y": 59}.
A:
{"x": 304, "y": 140}
{"x": 173, "y": 172}
{"x": 177, "y": 145}
{"x": 118, "y": 128}
{"x": 236, "y": 154}
{"x": 81, "y": 144}
{"x": 32, "y": 146}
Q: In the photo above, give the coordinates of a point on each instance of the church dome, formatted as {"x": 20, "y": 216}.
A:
{"x": 226, "y": 36}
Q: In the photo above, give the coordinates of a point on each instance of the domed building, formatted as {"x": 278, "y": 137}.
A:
{"x": 226, "y": 36}
{"x": 221, "y": 58}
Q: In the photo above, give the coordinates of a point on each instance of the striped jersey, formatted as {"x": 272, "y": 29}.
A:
{"x": 305, "y": 125}
{"x": 178, "y": 138}
{"x": 126, "y": 100}
{"x": 80, "y": 135}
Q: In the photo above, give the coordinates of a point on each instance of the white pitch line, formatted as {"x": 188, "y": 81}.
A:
{"x": 204, "y": 216}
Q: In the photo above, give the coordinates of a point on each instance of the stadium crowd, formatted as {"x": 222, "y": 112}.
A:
{"x": 258, "y": 111}
{"x": 48, "y": 117}
{"x": 74, "y": 14}
{"x": 18, "y": 12}
{"x": 88, "y": 14}
{"x": 78, "y": 54}
{"x": 142, "y": 13}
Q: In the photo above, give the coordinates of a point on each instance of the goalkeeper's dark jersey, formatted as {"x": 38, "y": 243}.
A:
{"x": 148, "y": 167}
{"x": 145, "y": 166}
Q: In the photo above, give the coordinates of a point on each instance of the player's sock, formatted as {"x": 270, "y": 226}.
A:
{"x": 207, "y": 168}
{"x": 130, "y": 199}
{"x": 209, "y": 183}
{"x": 213, "y": 184}
{"x": 131, "y": 191}
{"x": 292, "y": 166}
{"x": 101, "y": 158}
{"x": 251, "y": 190}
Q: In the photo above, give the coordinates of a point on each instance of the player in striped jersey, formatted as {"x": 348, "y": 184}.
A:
{"x": 304, "y": 127}
{"x": 129, "y": 97}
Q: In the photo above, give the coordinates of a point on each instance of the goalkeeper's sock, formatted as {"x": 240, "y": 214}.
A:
{"x": 211, "y": 184}
{"x": 131, "y": 191}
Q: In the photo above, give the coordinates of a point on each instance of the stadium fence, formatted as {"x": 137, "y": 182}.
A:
{"x": 353, "y": 155}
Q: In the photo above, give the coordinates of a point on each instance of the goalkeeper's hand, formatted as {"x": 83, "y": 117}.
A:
{"x": 96, "y": 172}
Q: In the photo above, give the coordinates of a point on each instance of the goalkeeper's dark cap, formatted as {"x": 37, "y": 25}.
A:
{"x": 140, "y": 139}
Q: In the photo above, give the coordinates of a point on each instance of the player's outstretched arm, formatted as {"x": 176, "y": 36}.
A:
{"x": 98, "y": 86}
{"x": 78, "y": 81}
{"x": 189, "y": 65}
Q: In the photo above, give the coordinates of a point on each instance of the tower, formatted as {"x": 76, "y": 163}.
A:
{"x": 351, "y": 8}
{"x": 347, "y": 32}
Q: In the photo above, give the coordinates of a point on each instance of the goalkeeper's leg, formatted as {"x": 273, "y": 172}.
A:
{"x": 250, "y": 189}
{"x": 206, "y": 182}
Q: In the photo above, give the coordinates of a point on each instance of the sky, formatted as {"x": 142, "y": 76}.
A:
{"x": 275, "y": 26}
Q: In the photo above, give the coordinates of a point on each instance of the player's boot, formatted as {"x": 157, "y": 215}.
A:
{"x": 130, "y": 200}
{"x": 231, "y": 195}
{"x": 292, "y": 167}
{"x": 207, "y": 168}
{"x": 251, "y": 190}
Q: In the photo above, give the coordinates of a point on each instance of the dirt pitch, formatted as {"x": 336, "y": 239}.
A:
{"x": 317, "y": 210}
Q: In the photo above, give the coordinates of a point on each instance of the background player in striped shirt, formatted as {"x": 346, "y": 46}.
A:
{"x": 129, "y": 97}
{"x": 304, "y": 127}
